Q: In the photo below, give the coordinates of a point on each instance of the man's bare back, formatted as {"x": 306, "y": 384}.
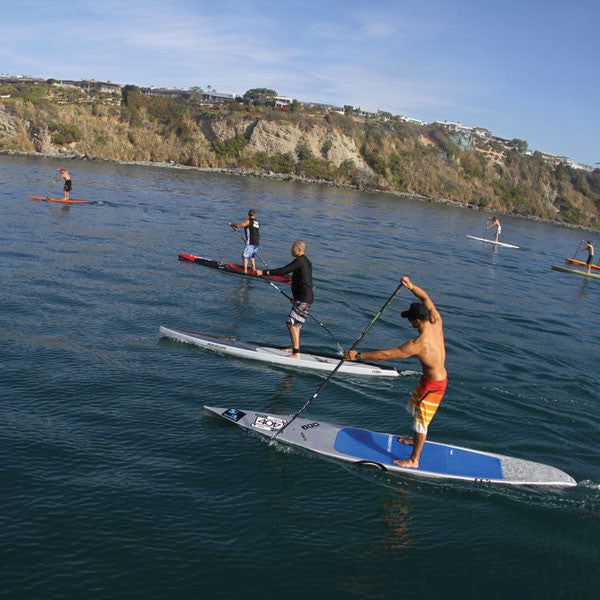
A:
{"x": 429, "y": 348}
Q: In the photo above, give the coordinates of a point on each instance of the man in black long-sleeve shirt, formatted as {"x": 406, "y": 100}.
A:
{"x": 301, "y": 270}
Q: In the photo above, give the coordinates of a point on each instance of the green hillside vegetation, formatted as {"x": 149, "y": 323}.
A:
{"x": 402, "y": 157}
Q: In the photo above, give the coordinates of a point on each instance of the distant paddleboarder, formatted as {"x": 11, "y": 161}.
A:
{"x": 68, "y": 183}
{"x": 252, "y": 228}
{"x": 302, "y": 292}
{"x": 494, "y": 222}
{"x": 590, "y": 250}
{"x": 429, "y": 348}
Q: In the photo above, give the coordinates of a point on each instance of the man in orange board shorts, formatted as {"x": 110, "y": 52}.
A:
{"x": 429, "y": 348}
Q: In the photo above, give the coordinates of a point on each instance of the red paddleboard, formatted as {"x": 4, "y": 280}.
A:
{"x": 580, "y": 262}
{"x": 231, "y": 268}
{"x": 60, "y": 200}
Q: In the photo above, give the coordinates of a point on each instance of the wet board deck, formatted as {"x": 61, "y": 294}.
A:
{"x": 232, "y": 268}
{"x": 580, "y": 262}
{"x": 59, "y": 200}
{"x": 379, "y": 450}
{"x": 492, "y": 242}
{"x": 315, "y": 361}
{"x": 575, "y": 272}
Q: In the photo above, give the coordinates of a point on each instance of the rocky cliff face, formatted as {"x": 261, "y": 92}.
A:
{"x": 280, "y": 137}
{"x": 7, "y": 123}
{"x": 274, "y": 138}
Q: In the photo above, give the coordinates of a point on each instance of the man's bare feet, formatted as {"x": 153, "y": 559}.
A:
{"x": 407, "y": 462}
{"x": 407, "y": 440}
{"x": 291, "y": 352}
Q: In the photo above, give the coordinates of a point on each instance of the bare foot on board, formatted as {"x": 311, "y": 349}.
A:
{"x": 407, "y": 462}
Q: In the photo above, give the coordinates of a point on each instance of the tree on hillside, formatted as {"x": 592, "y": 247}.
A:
{"x": 259, "y": 96}
{"x": 131, "y": 94}
{"x": 348, "y": 110}
{"x": 196, "y": 93}
{"x": 520, "y": 145}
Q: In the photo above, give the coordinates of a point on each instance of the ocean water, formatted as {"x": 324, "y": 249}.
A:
{"x": 115, "y": 485}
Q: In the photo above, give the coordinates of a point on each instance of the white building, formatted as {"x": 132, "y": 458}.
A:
{"x": 452, "y": 126}
{"x": 102, "y": 86}
{"x": 281, "y": 101}
{"x": 218, "y": 97}
{"x": 413, "y": 120}
{"x": 575, "y": 165}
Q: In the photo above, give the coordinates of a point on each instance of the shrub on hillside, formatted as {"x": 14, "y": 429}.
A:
{"x": 65, "y": 133}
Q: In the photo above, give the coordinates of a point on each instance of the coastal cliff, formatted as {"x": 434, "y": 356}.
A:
{"x": 373, "y": 154}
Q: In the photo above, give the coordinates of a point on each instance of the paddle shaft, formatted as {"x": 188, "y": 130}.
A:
{"x": 578, "y": 248}
{"x": 485, "y": 230}
{"x": 335, "y": 370}
{"x": 50, "y": 188}
{"x": 340, "y": 349}
{"x": 290, "y": 298}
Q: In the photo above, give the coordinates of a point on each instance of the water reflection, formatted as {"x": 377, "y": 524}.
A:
{"x": 241, "y": 298}
{"x": 396, "y": 522}
{"x": 392, "y": 545}
{"x": 583, "y": 288}
{"x": 281, "y": 394}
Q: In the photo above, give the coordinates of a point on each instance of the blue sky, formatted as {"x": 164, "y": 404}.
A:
{"x": 528, "y": 69}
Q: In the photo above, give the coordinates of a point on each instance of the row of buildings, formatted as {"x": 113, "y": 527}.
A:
{"x": 464, "y": 132}
{"x": 463, "y": 135}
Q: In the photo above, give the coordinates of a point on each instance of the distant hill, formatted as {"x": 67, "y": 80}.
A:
{"x": 366, "y": 153}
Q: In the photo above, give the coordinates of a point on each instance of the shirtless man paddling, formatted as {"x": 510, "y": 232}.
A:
{"x": 429, "y": 348}
{"x": 68, "y": 183}
{"x": 590, "y": 250}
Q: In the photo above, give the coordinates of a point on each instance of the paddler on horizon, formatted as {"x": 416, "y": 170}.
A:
{"x": 590, "y": 250}
{"x": 494, "y": 222}
{"x": 302, "y": 292}
{"x": 68, "y": 183}
{"x": 251, "y": 227}
{"x": 429, "y": 348}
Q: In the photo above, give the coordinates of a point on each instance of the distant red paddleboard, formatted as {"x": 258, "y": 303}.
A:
{"x": 60, "y": 200}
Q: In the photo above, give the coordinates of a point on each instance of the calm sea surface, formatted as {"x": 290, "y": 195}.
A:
{"x": 116, "y": 486}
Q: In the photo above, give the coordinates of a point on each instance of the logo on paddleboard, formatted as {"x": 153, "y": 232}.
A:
{"x": 309, "y": 425}
{"x": 234, "y": 414}
{"x": 267, "y": 423}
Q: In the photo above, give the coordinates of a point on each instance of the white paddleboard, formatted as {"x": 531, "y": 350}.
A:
{"x": 492, "y": 242}
{"x": 317, "y": 361}
{"x": 379, "y": 450}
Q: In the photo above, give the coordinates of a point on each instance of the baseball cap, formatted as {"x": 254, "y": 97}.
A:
{"x": 416, "y": 311}
{"x": 251, "y": 212}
